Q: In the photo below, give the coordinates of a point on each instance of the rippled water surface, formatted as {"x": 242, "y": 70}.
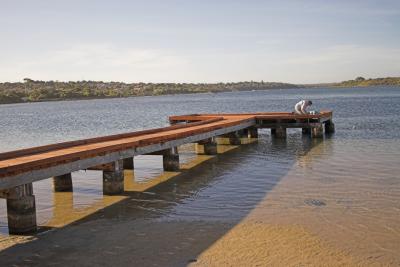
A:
{"x": 346, "y": 188}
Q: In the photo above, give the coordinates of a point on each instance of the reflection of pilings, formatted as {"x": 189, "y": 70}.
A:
{"x": 317, "y": 132}
{"x": 21, "y": 210}
{"x": 171, "y": 159}
{"x": 329, "y": 127}
{"x": 63, "y": 205}
{"x": 129, "y": 164}
{"x": 314, "y": 149}
{"x": 184, "y": 186}
{"x": 62, "y": 183}
{"x": 113, "y": 180}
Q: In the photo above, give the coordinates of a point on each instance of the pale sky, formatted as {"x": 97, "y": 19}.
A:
{"x": 199, "y": 41}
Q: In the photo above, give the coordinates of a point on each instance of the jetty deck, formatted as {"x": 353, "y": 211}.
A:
{"x": 112, "y": 154}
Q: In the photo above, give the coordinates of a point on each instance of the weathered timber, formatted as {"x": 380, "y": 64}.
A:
{"x": 171, "y": 159}
{"x": 9, "y": 178}
{"x": 233, "y": 138}
{"x": 287, "y": 124}
{"x": 113, "y": 180}
{"x": 103, "y": 167}
{"x": 280, "y": 132}
{"x": 21, "y": 210}
{"x": 209, "y": 146}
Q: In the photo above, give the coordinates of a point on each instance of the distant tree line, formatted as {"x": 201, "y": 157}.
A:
{"x": 362, "y": 82}
{"x": 32, "y": 91}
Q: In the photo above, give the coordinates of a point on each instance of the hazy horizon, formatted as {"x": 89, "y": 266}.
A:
{"x": 300, "y": 42}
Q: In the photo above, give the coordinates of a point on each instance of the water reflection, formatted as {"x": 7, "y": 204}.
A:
{"x": 354, "y": 172}
{"x": 57, "y": 209}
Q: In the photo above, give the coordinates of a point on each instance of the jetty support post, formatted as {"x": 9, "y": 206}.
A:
{"x": 209, "y": 146}
{"x": 252, "y": 132}
{"x": 317, "y": 132}
{"x": 280, "y": 132}
{"x": 63, "y": 183}
{"x": 329, "y": 127}
{"x": 113, "y": 178}
{"x": 233, "y": 138}
{"x": 171, "y": 159}
{"x": 21, "y": 209}
{"x": 129, "y": 164}
{"x": 244, "y": 133}
{"x": 306, "y": 131}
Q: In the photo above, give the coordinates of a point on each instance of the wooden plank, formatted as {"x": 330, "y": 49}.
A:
{"x": 80, "y": 152}
{"x": 103, "y": 167}
{"x": 46, "y": 148}
{"x": 288, "y": 125}
{"x": 126, "y": 145}
{"x": 37, "y": 174}
{"x": 259, "y": 115}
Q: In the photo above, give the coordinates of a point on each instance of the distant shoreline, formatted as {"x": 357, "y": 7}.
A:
{"x": 31, "y": 91}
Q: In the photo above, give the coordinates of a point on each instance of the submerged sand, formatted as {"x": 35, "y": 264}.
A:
{"x": 301, "y": 222}
{"x": 142, "y": 243}
{"x": 260, "y": 244}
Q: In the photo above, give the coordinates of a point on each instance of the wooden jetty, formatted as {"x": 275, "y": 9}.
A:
{"x": 112, "y": 154}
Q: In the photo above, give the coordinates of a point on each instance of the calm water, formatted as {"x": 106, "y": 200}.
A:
{"x": 345, "y": 189}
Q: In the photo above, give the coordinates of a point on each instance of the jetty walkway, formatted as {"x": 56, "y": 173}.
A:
{"x": 112, "y": 154}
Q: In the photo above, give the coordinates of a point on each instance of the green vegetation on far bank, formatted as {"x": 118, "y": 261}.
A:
{"x": 33, "y": 91}
{"x": 362, "y": 82}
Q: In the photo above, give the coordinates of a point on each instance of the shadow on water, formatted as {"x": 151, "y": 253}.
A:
{"x": 171, "y": 223}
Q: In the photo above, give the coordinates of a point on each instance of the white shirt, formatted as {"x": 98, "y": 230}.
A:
{"x": 301, "y": 107}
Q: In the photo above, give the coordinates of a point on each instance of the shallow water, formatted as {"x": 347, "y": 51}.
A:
{"x": 346, "y": 189}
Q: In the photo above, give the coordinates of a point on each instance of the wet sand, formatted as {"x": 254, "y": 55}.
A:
{"x": 299, "y": 223}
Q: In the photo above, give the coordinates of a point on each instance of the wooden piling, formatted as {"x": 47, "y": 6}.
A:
{"x": 280, "y": 132}
{"x": 329, "y": 127}
{"x": 233, "y": 137}
{"x": 113, "y": 180}
{"x": 210, "y": 148}
{"x": 21, "y": 210}
{"x": 306, "y": 131}
{"x": 253, "y": 132}
{"x": 171, "y": 159}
